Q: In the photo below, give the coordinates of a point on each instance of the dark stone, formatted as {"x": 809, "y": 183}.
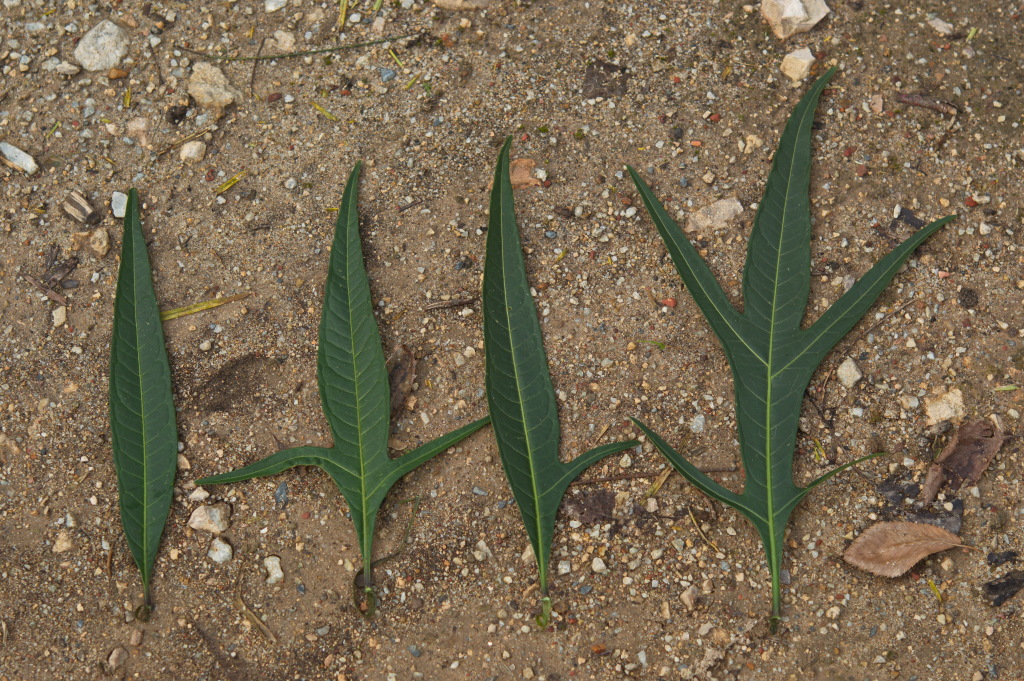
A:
{"x": 996, "y": 559}
{"x": 968, "y": 298}
{"x": 998, "y": 591}
{"x": 602, "y": 79}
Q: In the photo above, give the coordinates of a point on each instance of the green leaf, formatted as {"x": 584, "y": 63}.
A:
{"x": 771, "y": 356}
{"x": 354, "y": 392}
{"x": 519, "y": 391}
{"x": 143, "y": 430}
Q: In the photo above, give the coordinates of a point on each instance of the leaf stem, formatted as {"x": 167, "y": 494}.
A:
{"x": 544, "y": 618}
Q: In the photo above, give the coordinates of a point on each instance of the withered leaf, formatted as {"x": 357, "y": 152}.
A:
{"x": 401, "y": 376}
{"x": 998, "y": 591}
{"x": 521, "y": 173}
{"x": 964, "y": 459}
{"x": 890, "y": 549}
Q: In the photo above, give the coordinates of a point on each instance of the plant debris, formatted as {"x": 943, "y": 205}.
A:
{"x": 996, "y": 559}
{"x": 964, "y": 459}
{"x": 402, "y": 377}
{"x": 521, "y": 173}
{"x": 998, "y": 591}
{"x": 890, "y": 549}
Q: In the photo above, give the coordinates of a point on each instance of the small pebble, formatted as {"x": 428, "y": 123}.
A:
{"x": 598, "y": 566}
{"x": 387, "y": 75}
{"x": 220, "y": 551}
{"x": 205, "y": 346}
{"x": 118, "y": 204}
{"x": 213, "y": 519}
{"x": 479, "y": 492}
{"x": 274, "y": 572}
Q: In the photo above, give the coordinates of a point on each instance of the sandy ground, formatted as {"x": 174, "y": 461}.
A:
{"x": 688, "y": 93}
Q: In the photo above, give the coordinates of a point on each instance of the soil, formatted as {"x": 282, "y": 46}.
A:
{"x": 677, "y": 90}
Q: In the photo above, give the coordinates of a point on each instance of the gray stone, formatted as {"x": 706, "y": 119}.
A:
{"x": 103, "y": 47}
{"x": 211, "y": 88}
{"x": 274, "y": 572}
{"x": 118, "y": 656}
{"x": 788, "y": 17}
{"x": 797, "y": 64}
{"x": 715, "y": 216}
{"x": 18, "y": 159}
{"x": 848, "y": 373}
{"x": 214, "y": 519}
{"x": 220, "y": 551}
{"x": 697, "y": 424}
{"x": 118, "y": 204}
{"x": 274, "y": 5}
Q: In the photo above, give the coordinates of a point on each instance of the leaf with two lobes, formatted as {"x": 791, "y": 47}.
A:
{"x": 771, "y": 356}
{"x": 144, "y": 434}
{"x": 519, "y": 390}
{"x": 890, "y": 549}
{"x": 354, "y": 392}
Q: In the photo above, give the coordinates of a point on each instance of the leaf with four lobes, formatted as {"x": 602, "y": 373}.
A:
{"x": 354, "y": 392}
{"x": 771, "y": 356}
{"x": 144, "y": 434}
{"x": 519, "y": 390}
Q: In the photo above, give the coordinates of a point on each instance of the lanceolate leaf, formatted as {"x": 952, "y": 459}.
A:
{"x": 143, "y": 430}
{"x": 519, "y": 391}
{"x": 890, "y": 549}
{"x": 771, "y": 356}
{"x": 354, "y": 393}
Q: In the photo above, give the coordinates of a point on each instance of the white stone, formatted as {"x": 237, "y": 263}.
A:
{"x": 63, "y": 542}
{"x": 787, "y": 17}
{"x": 285, "y": 40}
{"x": 626, "y": 460}
{"x": 214, "y": 519}
{"x": 715, "y": 216}
{"x": 18, "y": 159}
{"x": 797, "y": 64}
{"x": 274, "y": 5}
{"x": 564, "y": 567}
{"x": 849, "y": 373}
{"x": 274, "y": 572}
{"x": 528, "y": 557}
{"x": 697, "y": 424}
{"x": 103, "y": 47}
{"x": 118, "y": 204}
{"x": 946, "y": 407}
{"x": 220, "y": 551}
{"x": 192, "y": 152}
{"x": 598, "y": 566}
{"x": 482, "y": 551}
{"x": 462, "y": 4}
{"x": 211, "y": 88}
{"x": 198, "y": 494}
{"x": 60, "y": 316}
{"x": 66, "y": 68}
{"x": 941, "y": 27}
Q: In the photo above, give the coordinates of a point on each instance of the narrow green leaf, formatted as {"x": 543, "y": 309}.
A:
{"x": 143, "y": 430}
{"x": 519, "y": 391}
{"x": 354, "y": 392}
{"x": 772, "y": 358}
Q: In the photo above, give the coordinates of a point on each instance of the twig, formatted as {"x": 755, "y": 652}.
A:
{"x": 168, "y": 315}
{"x": 658, "y": 483}
{"x": 256, "y": 621}
{"x": 49, "y": 292}
{"x": 256, "y": 63}
{"x": 410, "y": 205}
{"x": 183, "y": 140}
{"x": 458, "y": 302}
{"x": 926, "y": 103}
{"x": 700, "y": 531}
{"x": 290, "y": 54}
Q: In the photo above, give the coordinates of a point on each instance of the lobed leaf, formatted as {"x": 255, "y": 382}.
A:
{"x": 354, "y": 392}
{"x": 144, "y": 434}
{"x": 519, "y": 390}
{"x": 772, "y": 358}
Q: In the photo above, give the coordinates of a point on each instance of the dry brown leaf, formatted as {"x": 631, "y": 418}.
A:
{"x": 890, "y": 549}
{"x": 521, "y": 173}
{"x": 964, "y": 459}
